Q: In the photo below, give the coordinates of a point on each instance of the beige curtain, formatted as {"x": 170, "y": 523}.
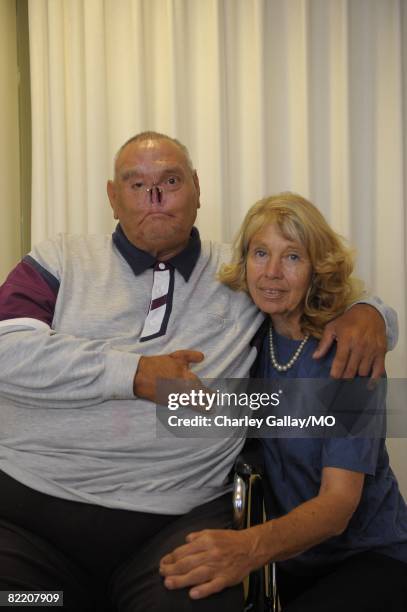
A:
{"x": 269, "y": 95}
{"x": 10, "y": 242}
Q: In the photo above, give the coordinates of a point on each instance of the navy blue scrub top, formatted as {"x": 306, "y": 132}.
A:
{"x": 294, "y": 468}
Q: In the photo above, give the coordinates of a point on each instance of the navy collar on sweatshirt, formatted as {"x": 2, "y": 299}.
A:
{"x": 139, "y": 260}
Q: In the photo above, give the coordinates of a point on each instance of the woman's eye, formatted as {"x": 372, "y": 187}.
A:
{"x": 293, "y": 257}
{"x": 260, "y": 253}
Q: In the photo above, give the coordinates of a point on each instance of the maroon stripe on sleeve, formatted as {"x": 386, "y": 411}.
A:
{"x": 26, "y": 293}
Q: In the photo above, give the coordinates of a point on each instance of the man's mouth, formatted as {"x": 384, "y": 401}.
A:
{"x": 157, "y": 213}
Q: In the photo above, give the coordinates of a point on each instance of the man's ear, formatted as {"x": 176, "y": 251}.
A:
{"x": 112, "y": 195}
{"x": 197, "y": 187}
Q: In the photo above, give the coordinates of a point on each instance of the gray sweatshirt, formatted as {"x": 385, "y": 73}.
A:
{"x": 75, "y": 317}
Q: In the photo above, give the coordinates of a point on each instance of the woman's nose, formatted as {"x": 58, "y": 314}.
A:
{"x": 274, "y": 268}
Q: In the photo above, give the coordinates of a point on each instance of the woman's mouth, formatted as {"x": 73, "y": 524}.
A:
{"x": 272, "y": 293}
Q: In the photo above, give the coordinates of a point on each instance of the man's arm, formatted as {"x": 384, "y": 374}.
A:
{"x": 360, "y": 334}
{"x": 41, "y": 367}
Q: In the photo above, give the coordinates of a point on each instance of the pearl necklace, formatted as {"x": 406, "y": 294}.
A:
{"x": 278, "y": 366}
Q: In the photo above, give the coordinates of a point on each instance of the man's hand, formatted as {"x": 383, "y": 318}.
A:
{"x": 361, "y": 337}
{"x": 211, "y": 561}
{"x": 174, "y": 366}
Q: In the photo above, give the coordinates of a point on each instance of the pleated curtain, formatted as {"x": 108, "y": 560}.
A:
{"x": 269, "y": 95}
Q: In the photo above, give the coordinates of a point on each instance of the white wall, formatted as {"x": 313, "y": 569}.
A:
{"x": 9, "y": 141}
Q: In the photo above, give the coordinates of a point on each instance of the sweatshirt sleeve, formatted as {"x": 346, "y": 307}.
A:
{"x": 41, "y": 367}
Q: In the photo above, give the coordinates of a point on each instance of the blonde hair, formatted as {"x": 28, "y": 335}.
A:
{"x": 332, "y": 288}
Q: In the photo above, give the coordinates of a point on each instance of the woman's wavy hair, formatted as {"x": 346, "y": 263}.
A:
{"x": 332, "y": 287}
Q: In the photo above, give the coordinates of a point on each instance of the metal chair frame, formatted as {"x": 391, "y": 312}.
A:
{"x": 249, "y": 510}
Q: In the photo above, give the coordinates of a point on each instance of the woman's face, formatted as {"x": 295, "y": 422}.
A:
{"x": 278, "y": 274}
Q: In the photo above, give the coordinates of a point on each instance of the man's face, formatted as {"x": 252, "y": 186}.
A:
{"x": 158, "y": 221}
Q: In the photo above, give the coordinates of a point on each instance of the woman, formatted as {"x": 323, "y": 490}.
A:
{"x": 340, "y": 532}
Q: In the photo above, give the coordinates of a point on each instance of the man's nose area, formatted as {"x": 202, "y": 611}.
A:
{"x": 155, "y": 194}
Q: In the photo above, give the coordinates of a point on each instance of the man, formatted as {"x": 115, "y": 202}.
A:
{"x": 91, "y": 499}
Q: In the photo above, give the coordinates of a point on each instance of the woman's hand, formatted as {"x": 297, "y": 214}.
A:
{"x": 211, "y": 560}
{"x": 214, "y": 559}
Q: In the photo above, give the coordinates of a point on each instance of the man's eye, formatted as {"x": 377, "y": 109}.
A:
{"x": 172, "y": 180}
{"x": 137, "y": 185}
